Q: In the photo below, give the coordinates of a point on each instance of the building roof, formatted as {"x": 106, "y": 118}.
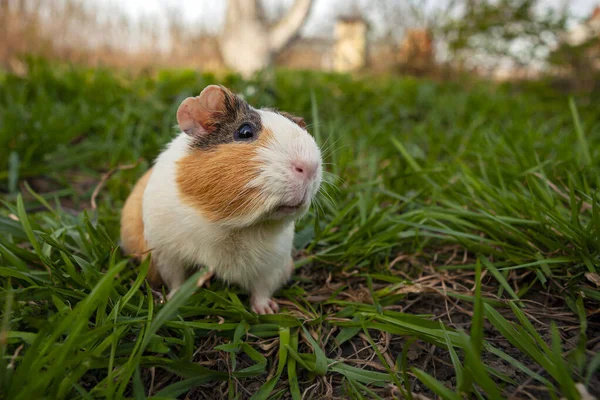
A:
{"x": 595, "y": 14}
{"x": 353, "y": 19}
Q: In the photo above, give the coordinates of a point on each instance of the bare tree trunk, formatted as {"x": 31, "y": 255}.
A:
{"x": 289, "y": 26}
{"x": 248, "y": 44}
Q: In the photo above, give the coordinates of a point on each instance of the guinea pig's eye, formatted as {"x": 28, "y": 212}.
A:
{"x": 244, "y": 133}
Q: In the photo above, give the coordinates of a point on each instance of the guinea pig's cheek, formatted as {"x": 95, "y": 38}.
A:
{"x": 216, "y": 182}
{"x": 270, "y": 158}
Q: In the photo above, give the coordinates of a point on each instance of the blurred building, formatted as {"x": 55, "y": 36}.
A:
{"x": 308, "y": 53}
{"x": 347, "y": 51}
{"x": 350, "y": 49}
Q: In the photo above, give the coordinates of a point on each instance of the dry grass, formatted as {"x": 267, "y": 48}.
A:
{"x": 93, "y": 34}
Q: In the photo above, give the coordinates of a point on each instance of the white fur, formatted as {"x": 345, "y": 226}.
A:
{"x": 291, "y": 143}
{"x": 256, "y": 256}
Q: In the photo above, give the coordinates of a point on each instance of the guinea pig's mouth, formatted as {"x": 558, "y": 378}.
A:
{"x": 289, "y": 208}
{"x": 292, "y": 207}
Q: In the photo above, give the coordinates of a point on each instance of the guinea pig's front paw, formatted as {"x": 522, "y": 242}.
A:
{"x": 264, "y": 305}
{"x": 205, "y": 278}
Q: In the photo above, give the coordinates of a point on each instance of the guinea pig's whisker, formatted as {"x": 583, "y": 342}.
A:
{"x": 239, "y": 195}
{"x": 233, "y": 212}
{"x": 330, "y": 145}
{"x": 333, "y": 177}
{"x": 326, "y": 196}
{"x": 318, "y": 207}
{"x": 245, "y": 203}
{"x": 330, "y": 177}
{"x": 326, "y": 151}
{"x": 331, "y": 185}
{"x": 327, "y": 201}
{"x": 322, "y": 208}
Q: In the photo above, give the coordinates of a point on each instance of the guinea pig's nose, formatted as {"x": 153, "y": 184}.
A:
{"x": 304, "y": 169}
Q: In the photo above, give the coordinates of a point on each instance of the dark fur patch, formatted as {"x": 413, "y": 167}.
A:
{"x": 237, "y": 112}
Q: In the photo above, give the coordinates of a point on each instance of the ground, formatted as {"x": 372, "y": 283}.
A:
{"x": 453, "y": 253}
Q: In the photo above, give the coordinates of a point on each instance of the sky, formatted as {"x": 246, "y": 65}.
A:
{"x": 210, "y": 13}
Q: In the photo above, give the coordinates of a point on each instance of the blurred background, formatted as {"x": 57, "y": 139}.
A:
{"x": 498, "y": 39}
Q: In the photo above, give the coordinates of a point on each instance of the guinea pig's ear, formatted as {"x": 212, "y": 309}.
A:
{"x": 297, "y": 120}
{"x": 197, "y": 115}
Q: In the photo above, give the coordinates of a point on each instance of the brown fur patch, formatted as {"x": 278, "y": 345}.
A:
{"x": 214, "y": 181}
{"x": 132, "y": 228}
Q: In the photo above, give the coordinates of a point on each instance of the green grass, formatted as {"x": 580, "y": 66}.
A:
{"x": 453, "y": 253}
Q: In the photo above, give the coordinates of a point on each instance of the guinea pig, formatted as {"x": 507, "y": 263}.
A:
{"x": 225, "y": 194}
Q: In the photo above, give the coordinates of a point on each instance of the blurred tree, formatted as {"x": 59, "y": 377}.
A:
{"x": 249, "y": 43}
{"x": 520, "y": 31}
{"x": 416, "y": 53}
{"x": 3, "y": 31}
{"x": 578, "y": 54}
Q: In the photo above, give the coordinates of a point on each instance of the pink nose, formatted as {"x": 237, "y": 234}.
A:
{"x": 305, "y": 170}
